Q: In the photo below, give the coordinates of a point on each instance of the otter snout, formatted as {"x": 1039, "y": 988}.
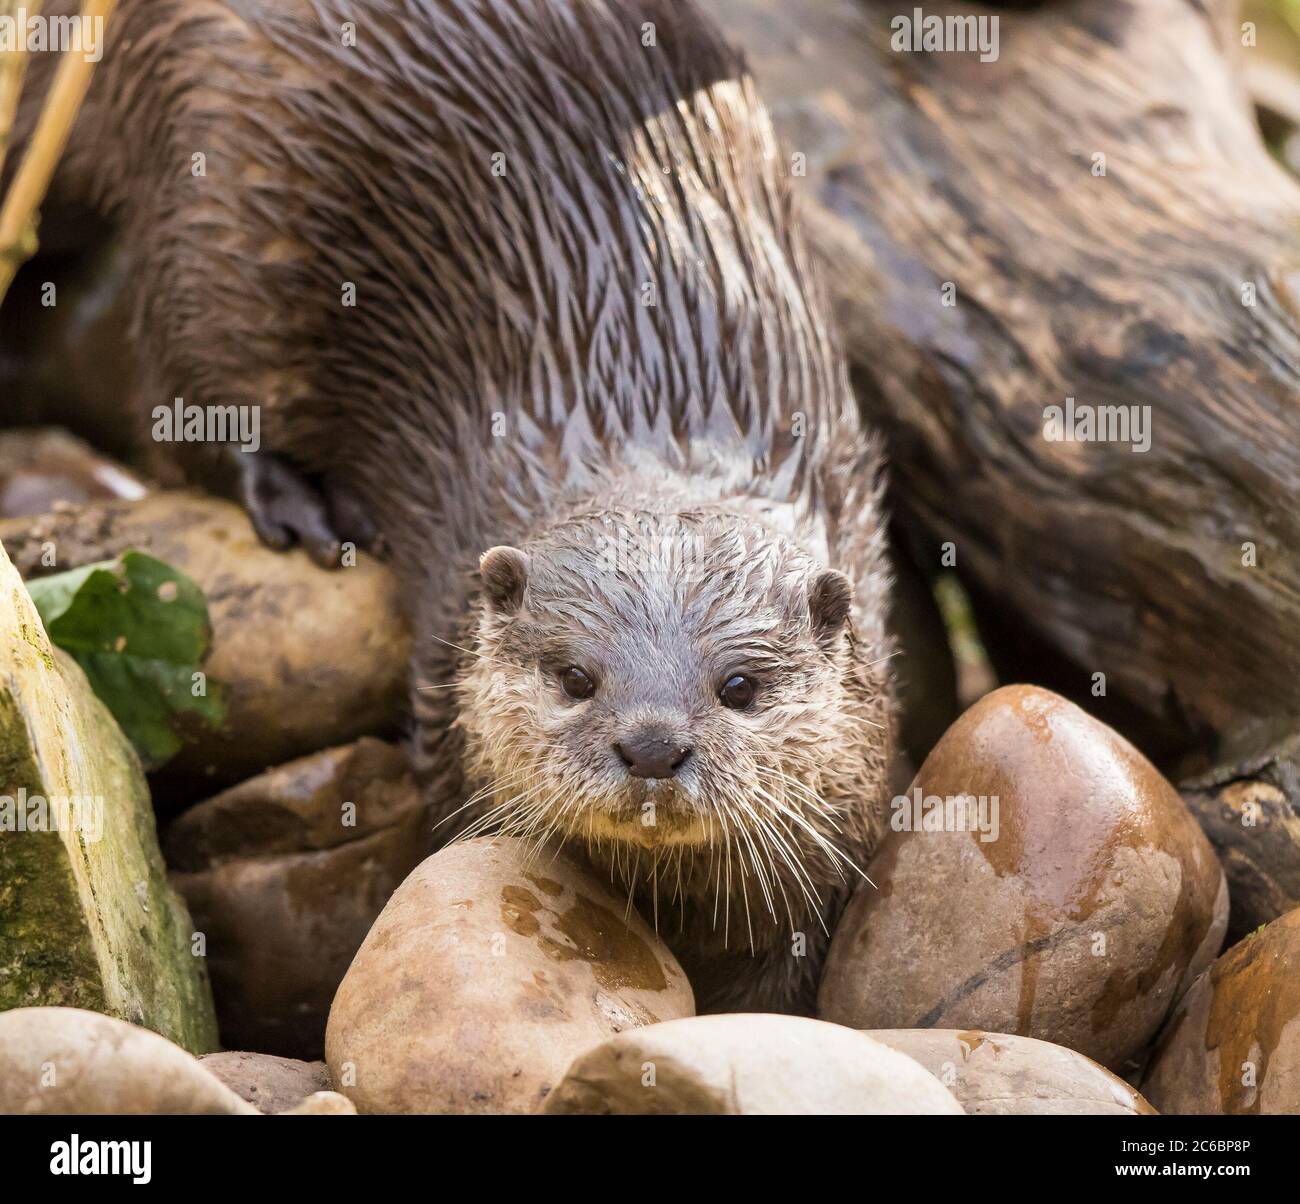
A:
{"x": 651, "y": 754}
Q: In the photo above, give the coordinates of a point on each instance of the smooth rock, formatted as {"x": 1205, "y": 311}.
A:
{"x": 748, "y": 1064}
{"x": 87, "y": 918}
{"x": 323, "y": 1103}
{"x": 285, "y": 874}
{"x": 321, "y": 801}
{"x": 1232, "y": 1046}
{"x": 56, "y": 1060}
{"x": 269, "y": 1083}
{"x": 307, "y": 659}
{"x": 998, "y": 1074}
{"x": 46, "y": 467}
{"x": 1094, "y": 904}
{"x": 486, "y": 974}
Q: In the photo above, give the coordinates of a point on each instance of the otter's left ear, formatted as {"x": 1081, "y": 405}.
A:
{"x": 830, "y": 599}
{"x": 504, "y": 573}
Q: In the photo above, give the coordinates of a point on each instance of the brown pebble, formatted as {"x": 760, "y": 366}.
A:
{"x": 1232, "y": 1045}
{"x": 1077, "y": 917}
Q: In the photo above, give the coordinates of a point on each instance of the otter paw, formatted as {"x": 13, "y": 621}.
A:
{"x": 286, "y": 509}
{"x": 352, "y": 521}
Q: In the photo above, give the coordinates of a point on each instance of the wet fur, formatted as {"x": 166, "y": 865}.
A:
{"x": 500, "y": 373}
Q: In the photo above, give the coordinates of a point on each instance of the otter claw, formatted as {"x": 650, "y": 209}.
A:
{"x": 285, "y": 509}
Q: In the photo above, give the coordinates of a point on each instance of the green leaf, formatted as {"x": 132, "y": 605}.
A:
{"x": 140, "y": 630}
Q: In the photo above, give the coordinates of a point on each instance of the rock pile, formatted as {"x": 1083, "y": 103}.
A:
{"x": 1043, "y": 916}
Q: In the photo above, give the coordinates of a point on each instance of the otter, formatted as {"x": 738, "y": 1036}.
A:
{"x": 519, "y": 290}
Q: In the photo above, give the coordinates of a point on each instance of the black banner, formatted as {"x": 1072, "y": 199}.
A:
{"x": 545, "y": 1153}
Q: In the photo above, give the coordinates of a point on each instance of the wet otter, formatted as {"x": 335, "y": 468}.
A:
{"x": 520, "y": 284}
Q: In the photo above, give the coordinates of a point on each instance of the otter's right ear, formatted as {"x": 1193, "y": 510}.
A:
{"x": 504, "y": 573}
{"x": 830, "y": 601}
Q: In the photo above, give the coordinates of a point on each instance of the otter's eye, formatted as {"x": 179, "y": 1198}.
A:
{"x": 576, "y": 683}
{"x": 737, "y": 692}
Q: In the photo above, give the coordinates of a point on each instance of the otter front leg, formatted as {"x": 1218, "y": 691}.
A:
{"x": 284, "y": 507}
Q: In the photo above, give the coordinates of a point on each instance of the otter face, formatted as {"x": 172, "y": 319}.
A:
{"x": 670, "y": 702}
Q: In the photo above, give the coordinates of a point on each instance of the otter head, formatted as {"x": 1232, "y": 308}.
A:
{"x": 684, "y": 684}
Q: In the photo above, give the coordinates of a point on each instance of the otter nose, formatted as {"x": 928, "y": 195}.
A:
{"x": 651, "y": 755}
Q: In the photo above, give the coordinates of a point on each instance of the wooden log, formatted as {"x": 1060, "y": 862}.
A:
{"x": 1091, "y": 216}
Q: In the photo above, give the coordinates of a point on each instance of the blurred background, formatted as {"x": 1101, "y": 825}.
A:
{"x": 1274, "y": 76}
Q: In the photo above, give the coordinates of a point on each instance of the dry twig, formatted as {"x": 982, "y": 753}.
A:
{"x": 18, "y": 214}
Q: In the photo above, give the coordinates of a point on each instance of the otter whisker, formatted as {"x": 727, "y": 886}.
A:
{"x": 759, "y": 871}
{"x": 723, "y": 896}
{"x": 839, "y": 857}
{"x": 811, "y": 895}
{"x": 783, "y": 843}
{"x": 544, "y": 810}
{"x": 558, "y": 817}
{"x": 654, "y": 890}
{"x": 880, "y": 660}
{"x": 513, "y": 804}
{"x": 544, "y": 814}
{"x": 748, "y": 839}
{"x": 678, "y": 894}
{"x": 466, "y": 651}
{"x": 802, "y": 821}
{"x": 827, "y": 810}
{"x": 823, "y": 809}
{"x": 785, "y": 846}
{"x": 478, "y": 795}
{"x": 743, "y": 879}
{"x": 501, "y": 820}
{"x": 538, "y": 811}
{"x": 636, "y": 873}
{"x": 773, "y": 847}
